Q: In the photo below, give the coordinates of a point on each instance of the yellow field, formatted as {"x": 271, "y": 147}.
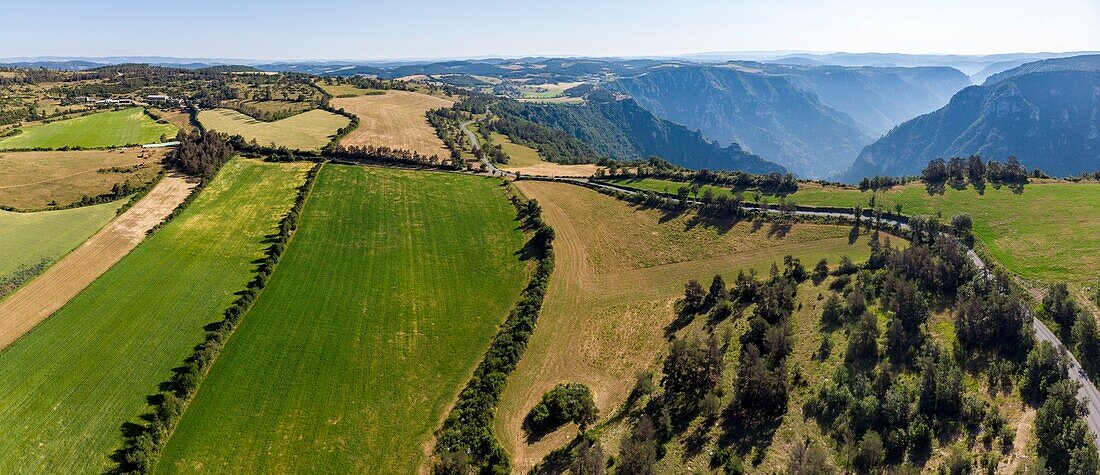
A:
{"x": 395, "y": 119}
{"x": 34, "y": 180}
{"x": 343, "y": 90}
{"x": 619, "y": 271}
{"x": 306, "y": 131}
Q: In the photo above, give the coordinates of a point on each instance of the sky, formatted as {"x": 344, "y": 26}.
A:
{"x": 432, "y": 29}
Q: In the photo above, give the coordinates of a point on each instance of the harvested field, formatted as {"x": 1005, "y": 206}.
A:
{"x": 71, "y": 382}
{"x": 619, "y": 271}
{"x": 30, "y": 238}
{"x": 555, "y": 169}
{"x": 306, "y": 131}
{"x": 383, "y": 303}
{"x": 35, "y": 180}
{"x": 104, "y": 129}
{"x": 42, "y": 297}
{"x": 395, "y": 119}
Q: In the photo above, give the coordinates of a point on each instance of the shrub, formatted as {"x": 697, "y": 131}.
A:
{"x": 566, "y": 402}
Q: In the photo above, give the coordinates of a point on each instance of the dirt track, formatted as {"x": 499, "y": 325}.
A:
{"x": 32, "y": 304}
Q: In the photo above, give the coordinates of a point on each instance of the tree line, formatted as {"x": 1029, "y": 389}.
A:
{"x": 957, "y": 172}
{"x": 465, "y": 442}
{"x": 143, "y": 447}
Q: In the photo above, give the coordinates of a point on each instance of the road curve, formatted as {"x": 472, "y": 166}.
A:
{"x": 492, "y": 169}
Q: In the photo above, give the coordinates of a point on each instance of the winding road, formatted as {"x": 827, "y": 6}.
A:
{"x": 1087, "y": 392}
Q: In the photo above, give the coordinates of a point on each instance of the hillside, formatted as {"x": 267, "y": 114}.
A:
{"x": 1046, "y": 119}
{"x": 623, "y": 130}
{"x": 1073, "y": 63}
{"x": 767, "y": 114}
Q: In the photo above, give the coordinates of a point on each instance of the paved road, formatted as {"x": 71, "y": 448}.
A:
{"x": 1087, "y": 393}
{"x": 492, "y": 169}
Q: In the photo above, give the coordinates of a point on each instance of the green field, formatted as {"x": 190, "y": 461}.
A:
{"x": 28, "y": 238}
{"x": 104, "y": 129}
{"x": 1047, "y": 233}
{"x": 518, "y": 155}
{"x": 70, "y": 384}
{"x": 384, "y": 302}
{"x": 306, "y": 131}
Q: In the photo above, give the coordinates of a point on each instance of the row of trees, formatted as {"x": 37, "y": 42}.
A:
{"x": 142, "y": 449}
{"x": 773, "y": 183}
{"x": 958, "y": 171}
{"x": 466, "y": 440}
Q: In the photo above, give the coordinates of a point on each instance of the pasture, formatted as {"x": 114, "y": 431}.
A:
{"x": 395, "y": 119}
{"x": 71, "y": 383}
{"x": 100, "y": 130}
{"x": 1047, "y": 233}
{"x": 619, "y": 272}
{"x": 518, "y": 155}
{"x": 306, "y": 131}
{"x": 383, "y": 303}
{"x": 31, "y": 237}
{"x": 37, "y": 180}
{"x": 345, "y": 90}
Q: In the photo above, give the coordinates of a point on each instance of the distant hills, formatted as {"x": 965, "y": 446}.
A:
{"x": 1045, "y": 113}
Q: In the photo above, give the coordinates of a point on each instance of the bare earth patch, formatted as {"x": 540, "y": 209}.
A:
{"x": 395, "y": 119}
{"x": 32, "y": 304}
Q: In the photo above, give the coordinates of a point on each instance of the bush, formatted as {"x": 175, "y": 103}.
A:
{"x": 566, "y": 402}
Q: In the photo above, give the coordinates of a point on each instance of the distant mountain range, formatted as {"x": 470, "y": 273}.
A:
{"x": 812, "y": 120}
{"x": 623, "y": 130}
{"x": 1046, "y": 114}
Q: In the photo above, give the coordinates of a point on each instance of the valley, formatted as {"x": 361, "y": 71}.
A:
{"x": 466, "y": 256}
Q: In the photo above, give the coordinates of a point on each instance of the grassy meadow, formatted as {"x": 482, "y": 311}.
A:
{"x": 71, "y": 383}
{"x": 35, "y": 180}
{"x": 1047, "y": 233}
{"x": 103, "y": 129}
{"x": 518, "y": 155}
{"x": 31, "y": 237}
{"x": 619, "y": 271}
{"x": 383, "y": 303}
{"x": 306, "y": 131}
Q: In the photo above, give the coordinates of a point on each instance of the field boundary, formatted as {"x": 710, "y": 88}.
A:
{"x": 53, "y": 288}
{"x": 466, "y": 436}
{"x": 141, "y": 451}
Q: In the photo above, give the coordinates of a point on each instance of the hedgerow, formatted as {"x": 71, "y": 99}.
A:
{"x": 466, "y": 439}
{"x": 142, "y": 449}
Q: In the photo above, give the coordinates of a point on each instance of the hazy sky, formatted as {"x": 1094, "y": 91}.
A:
{"x": 345, "y": 29}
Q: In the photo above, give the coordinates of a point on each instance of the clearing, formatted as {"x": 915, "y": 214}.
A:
{"x": 99, "y": 130}
{"x": 37, "y": 180}
{"x": 619, "y": 271}
{"x": 395, "y": 119}
{"x": 384, "y": 302}
{"x": 345, "y": 90}
{"x": 30, "y": 238}
{"x": 43, "y": 296}
{"x": 306, "y": 131}
{"x": 526, "y": 160}
{"x": 69, "y": 384}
